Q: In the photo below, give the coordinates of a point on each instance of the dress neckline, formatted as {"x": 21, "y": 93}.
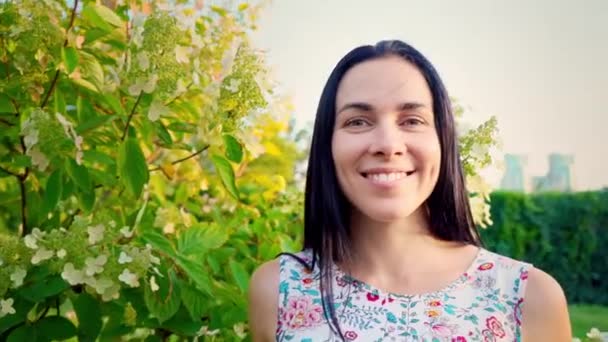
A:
{"x": 382, "y": 293}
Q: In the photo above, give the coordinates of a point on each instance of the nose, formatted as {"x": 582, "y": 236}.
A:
{"x": 388, "y": 141}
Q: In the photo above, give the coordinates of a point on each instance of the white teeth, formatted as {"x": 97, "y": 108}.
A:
{"x": 386, "y": 177}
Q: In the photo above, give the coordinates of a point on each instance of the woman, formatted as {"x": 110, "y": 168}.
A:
{"x": 390, "y": 249}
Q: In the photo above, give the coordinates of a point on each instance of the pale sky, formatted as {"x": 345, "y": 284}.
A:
{"x": 541, "y": 67}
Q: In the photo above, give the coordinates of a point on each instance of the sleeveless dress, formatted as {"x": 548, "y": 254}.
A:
{"x": 483, "y": 304}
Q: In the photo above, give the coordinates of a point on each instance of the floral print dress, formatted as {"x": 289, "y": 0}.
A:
{"x": 484, "y": 304}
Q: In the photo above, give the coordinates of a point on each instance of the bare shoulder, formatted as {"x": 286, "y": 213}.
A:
{"x": 263, "y": 299}
{"x": 545, "y": 309}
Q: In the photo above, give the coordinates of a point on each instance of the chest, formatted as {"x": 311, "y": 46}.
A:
{"x": 473, "y": 313}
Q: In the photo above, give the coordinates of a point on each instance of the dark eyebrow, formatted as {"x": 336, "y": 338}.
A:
{"x": 366, "y": 107}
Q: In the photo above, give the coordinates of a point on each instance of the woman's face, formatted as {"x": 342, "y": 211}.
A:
{"x": 385, "y": 146}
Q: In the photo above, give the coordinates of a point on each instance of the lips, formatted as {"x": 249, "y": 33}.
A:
{"x": 386, "y": 175}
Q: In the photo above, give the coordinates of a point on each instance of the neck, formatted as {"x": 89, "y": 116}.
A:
{"x": 393, "y": 247}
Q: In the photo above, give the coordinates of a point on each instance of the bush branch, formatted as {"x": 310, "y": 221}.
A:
{"x": 124, "y": 133}
{"x": 203, "y": 149}
{"x": 65, "y": 43}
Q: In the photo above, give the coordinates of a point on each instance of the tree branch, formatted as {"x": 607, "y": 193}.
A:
{"x": 22, "y": 179}
{"x": 65, "y": 43}
{"x": 124, "y": 133}
{"x": 203, "y": 149}
{"x": 6, "y": 122}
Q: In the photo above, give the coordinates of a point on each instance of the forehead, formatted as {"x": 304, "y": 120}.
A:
{"x": 382, "y": 82}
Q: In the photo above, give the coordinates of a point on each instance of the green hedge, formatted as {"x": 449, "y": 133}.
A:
{"x": 564, "y": 234}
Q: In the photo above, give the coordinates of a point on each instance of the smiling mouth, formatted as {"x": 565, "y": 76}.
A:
{"x": 387, "y": 177}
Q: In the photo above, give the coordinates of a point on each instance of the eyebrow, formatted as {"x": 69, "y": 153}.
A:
{"x": 369, "y": 108}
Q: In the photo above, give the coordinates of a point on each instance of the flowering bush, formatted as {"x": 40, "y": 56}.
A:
{"x": 146, "y": 168}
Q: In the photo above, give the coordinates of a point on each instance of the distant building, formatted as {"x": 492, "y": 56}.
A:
{"x": 514, "y": 178}
{"x": 558, "y": 178}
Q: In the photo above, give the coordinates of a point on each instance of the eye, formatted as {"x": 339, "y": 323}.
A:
{"x": 357, "y": 122}
{"x": 413, "y": 122}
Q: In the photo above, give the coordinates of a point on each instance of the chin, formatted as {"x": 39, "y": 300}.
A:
{"x": 388, "y": 213}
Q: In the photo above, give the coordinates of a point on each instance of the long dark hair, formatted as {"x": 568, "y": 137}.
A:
{"x": 327, "y": 211}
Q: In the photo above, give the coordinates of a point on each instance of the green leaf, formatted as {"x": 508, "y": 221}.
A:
{"x": 88, "y": 312}
{"x": 40, "y": 290}
{"x": 234, "y": 149}
{"x": 163, "y": 133}
{"x": 200, "y": 238}
{"x": 95, "y": 156}
{"x": 85, "y": 84}
{"x": 195, "y": 301}
{"x": 182, "y": 127}
{"x": 165, "y": 302}
{"x": 59, "y": 101}
{"x": 102, "y": 17}
{"x": 226, "y": 173}
{"x": 91, "y": 69}
{"x": 52, "y": 191}
{"x": 6, "y": 105}
{"x": 69, "y": 55}
{"x": 240, "y": 275}
{"x": 182, "y": 324}
{"x": 55, "y": 328}
{"x": 95, "y": 122}
{"x": 132, "y": 166}
{"x": 86, "y": 199}
{"x": 196, "y": 272}
{"x": 23, "y": 333}
{"x": 243, "y": 6}
{"x": 159, "y": 242}
{"x": 79, "y": 174}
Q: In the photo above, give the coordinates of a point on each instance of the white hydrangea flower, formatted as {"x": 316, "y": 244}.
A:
{"x": 182, "y": 54}
{"x": 157, "y": 109}
{"x": 153, "y": 285}
{"x": 31, "y": 136}
{"x": 38, "y": 158}
{"x": 126, "y": 232}
{"x": 6, "y": 307}
{"x": 30, "y": 241}
{"x": 100, "y": 285}
{"x": 17, "y": 277}
{"x": 96, "y": 233}
{"x": 124, "y": 258}
{"x": 169, "y": 228}
{"x": 42, "y": 254}
{"x": 148, "y": 255}
{"x": 129, "y": 278}
{"x": 157, "y": 272}
{"x": 112, "y": 292}
{"x": 61, "y": 253}
{"x": 239, "y": 330}
{"x": 95, "y": 265}
{"x": 72, "y": 275}
{"x": 143, "y": 60}
{"x": 233, "y": 87}
{"x": 594, "y": 333}
{"x": 145, "y": 85}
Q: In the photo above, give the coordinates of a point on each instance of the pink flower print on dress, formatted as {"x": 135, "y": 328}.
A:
{"x": 459, "y": 339}
{"x": 488, "y": 336}
{"x": 486, "y": 266}
{"x": 372, "y": 297}
{"x": 351, "y": 335}
{"x": 301, "y": 312}
{"x": 495, "y": 326}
